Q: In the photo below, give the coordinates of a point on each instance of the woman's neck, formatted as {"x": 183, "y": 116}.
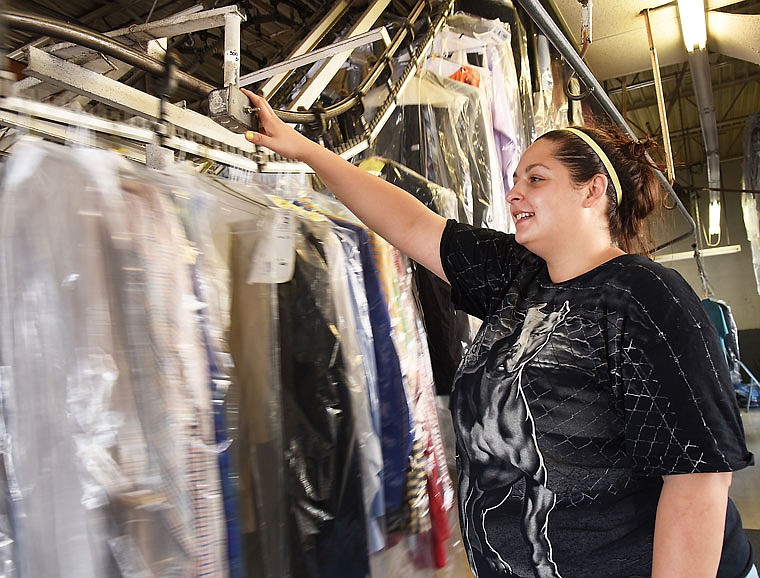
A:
{"x": 570, "y": 264}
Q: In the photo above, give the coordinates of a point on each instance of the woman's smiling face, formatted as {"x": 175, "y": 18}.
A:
{"x": 544, "y": 202}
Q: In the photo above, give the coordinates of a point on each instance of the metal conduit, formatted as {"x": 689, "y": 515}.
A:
{"x": 351, "y": 101}
{"x": 550, "y": 29}
{"x": 98, "y": 42}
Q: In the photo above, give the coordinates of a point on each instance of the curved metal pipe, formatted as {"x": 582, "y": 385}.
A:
{"x": 98, "y": 42}
{"x": 101, "y": 43}
{"x": 550, "y": 29}
{"x": 355, "y": 98}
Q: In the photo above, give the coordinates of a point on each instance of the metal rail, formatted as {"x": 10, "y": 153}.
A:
{"x": 99, "y": 42}
{"x": 102, "y": 43}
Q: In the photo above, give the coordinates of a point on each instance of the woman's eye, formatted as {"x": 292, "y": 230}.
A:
{"x": 535, "y": 179}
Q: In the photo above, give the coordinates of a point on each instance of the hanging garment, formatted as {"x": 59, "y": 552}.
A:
{"x": 447, "y": 330}
{"x": 373, "y": 481}
{"x": 324, "y": 474}
{"x": 323, "y": 491}
{"x": 259, "y": 446}
{"x": 723, "y": 320}
{"x": 210, "y": 279}
{"x": 543, "y": 100}
{"x": 506, "y": 111}
{"x": 751, "y": 179}
{"x": 407, "y": 333}
{"x": 481, "y": 79}
{"x": 395, "y": 425}
{"x": 367, "y": 439}
{"x": 94, "y": 472}
{"x": 164, "y": 250}
{"x": 444, "y": 137}
{"x": 395, "y": 420}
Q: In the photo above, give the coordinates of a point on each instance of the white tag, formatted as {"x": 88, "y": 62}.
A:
{"x": 231, "y": 56}
{"x": 274, "y": 257}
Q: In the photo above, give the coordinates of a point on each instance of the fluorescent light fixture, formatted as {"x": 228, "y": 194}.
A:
{"x": 692, "y": 16}
{"x": 725, "y": 250}
{"x": 713, "y": 215}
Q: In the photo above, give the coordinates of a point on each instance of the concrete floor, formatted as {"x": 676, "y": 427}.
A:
{"x": 745, "y": 488}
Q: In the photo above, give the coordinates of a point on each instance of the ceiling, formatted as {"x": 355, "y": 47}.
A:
{"x": 619, "y": 55}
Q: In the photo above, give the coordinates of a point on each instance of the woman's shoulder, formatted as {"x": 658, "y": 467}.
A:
{"x": 643, "y": 274}
{"x": 652, "y": 286}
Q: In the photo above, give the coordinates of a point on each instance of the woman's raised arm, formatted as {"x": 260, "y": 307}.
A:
{"x": 388, "y": 210}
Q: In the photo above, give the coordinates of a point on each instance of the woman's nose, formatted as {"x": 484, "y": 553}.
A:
{"x": 514, "y": 193}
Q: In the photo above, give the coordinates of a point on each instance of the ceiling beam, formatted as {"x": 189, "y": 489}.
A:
{"x": 649, "y": 103}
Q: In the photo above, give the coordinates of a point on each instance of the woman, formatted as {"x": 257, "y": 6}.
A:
{"x": 596, "y": 426}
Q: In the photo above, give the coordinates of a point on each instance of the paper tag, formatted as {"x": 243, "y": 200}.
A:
{"x": 231, "y": 56}
{"x": 299, "y": 211}
{"x": 274, "y": 257}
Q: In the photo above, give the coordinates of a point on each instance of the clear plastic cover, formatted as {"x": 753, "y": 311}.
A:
{"x": 751, "y": 179}
{"x": 427, "y": 133}
{"x": 349, "y": 313}
{"x": 495, "y": 37}
{"x": 185, "y": 382}
{"x": 260, "y": 446}
{"x": 199, "y": 212}
{"x": 93, "y": 483}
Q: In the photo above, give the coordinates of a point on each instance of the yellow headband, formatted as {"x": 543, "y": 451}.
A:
{"x": 602, "y": 157}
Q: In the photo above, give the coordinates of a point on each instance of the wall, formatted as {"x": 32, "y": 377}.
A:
{"x": 731, "y": 276}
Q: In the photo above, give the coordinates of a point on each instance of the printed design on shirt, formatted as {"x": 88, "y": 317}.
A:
{"x": 499, "y": 447}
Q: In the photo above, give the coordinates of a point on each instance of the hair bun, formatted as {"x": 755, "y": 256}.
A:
{"x": 638, "y": 149}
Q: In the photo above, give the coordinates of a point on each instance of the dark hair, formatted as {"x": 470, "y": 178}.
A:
{"x": 639, "y": 182}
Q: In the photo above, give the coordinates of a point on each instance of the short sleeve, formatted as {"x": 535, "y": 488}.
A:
{"x": 480, "y": 265}
{"x": 681, "y": 412}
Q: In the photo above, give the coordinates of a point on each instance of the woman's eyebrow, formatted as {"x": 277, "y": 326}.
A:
{"x": 530, "y": 167}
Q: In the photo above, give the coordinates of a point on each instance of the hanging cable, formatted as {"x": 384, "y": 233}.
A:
{"x": 586, "y": 38}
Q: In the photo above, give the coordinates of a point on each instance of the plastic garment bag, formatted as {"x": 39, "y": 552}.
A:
{"x": 463, "y": 35}
{"x": 326, "y": 530}
{"x": 357, "y": 383}
{"x": 198, "y": 210}
{"x": 543, "y": 100}
{"x": 751, "y": 178}
{"x": 259, "y": 445}
{"x": 95, "y": 485}
{"x": 429, "y": 134}
{"x": 323, "y": 465}
{"x": 447, "y": 330}
{"x": 495, "y": 216}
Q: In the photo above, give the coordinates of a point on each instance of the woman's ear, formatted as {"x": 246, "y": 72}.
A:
{"x": 596, "y": 190}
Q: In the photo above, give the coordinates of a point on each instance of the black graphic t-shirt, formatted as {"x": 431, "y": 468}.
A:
{"x": 573, "y": 401}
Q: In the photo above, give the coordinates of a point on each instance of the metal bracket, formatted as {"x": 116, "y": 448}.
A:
{"x": 318, "y": 54}
{"x": 317, "y": 83}
{"x": 232, "y": 109}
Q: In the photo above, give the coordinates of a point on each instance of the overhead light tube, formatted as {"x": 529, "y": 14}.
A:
{"x": 724, "y": 250}
{"x": 693, "y": 27}
{"x": 713, "y": 215}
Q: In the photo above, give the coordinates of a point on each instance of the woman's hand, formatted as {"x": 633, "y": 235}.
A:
{"x": 273, "y": 133}
{"x": 392, "y": 213}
